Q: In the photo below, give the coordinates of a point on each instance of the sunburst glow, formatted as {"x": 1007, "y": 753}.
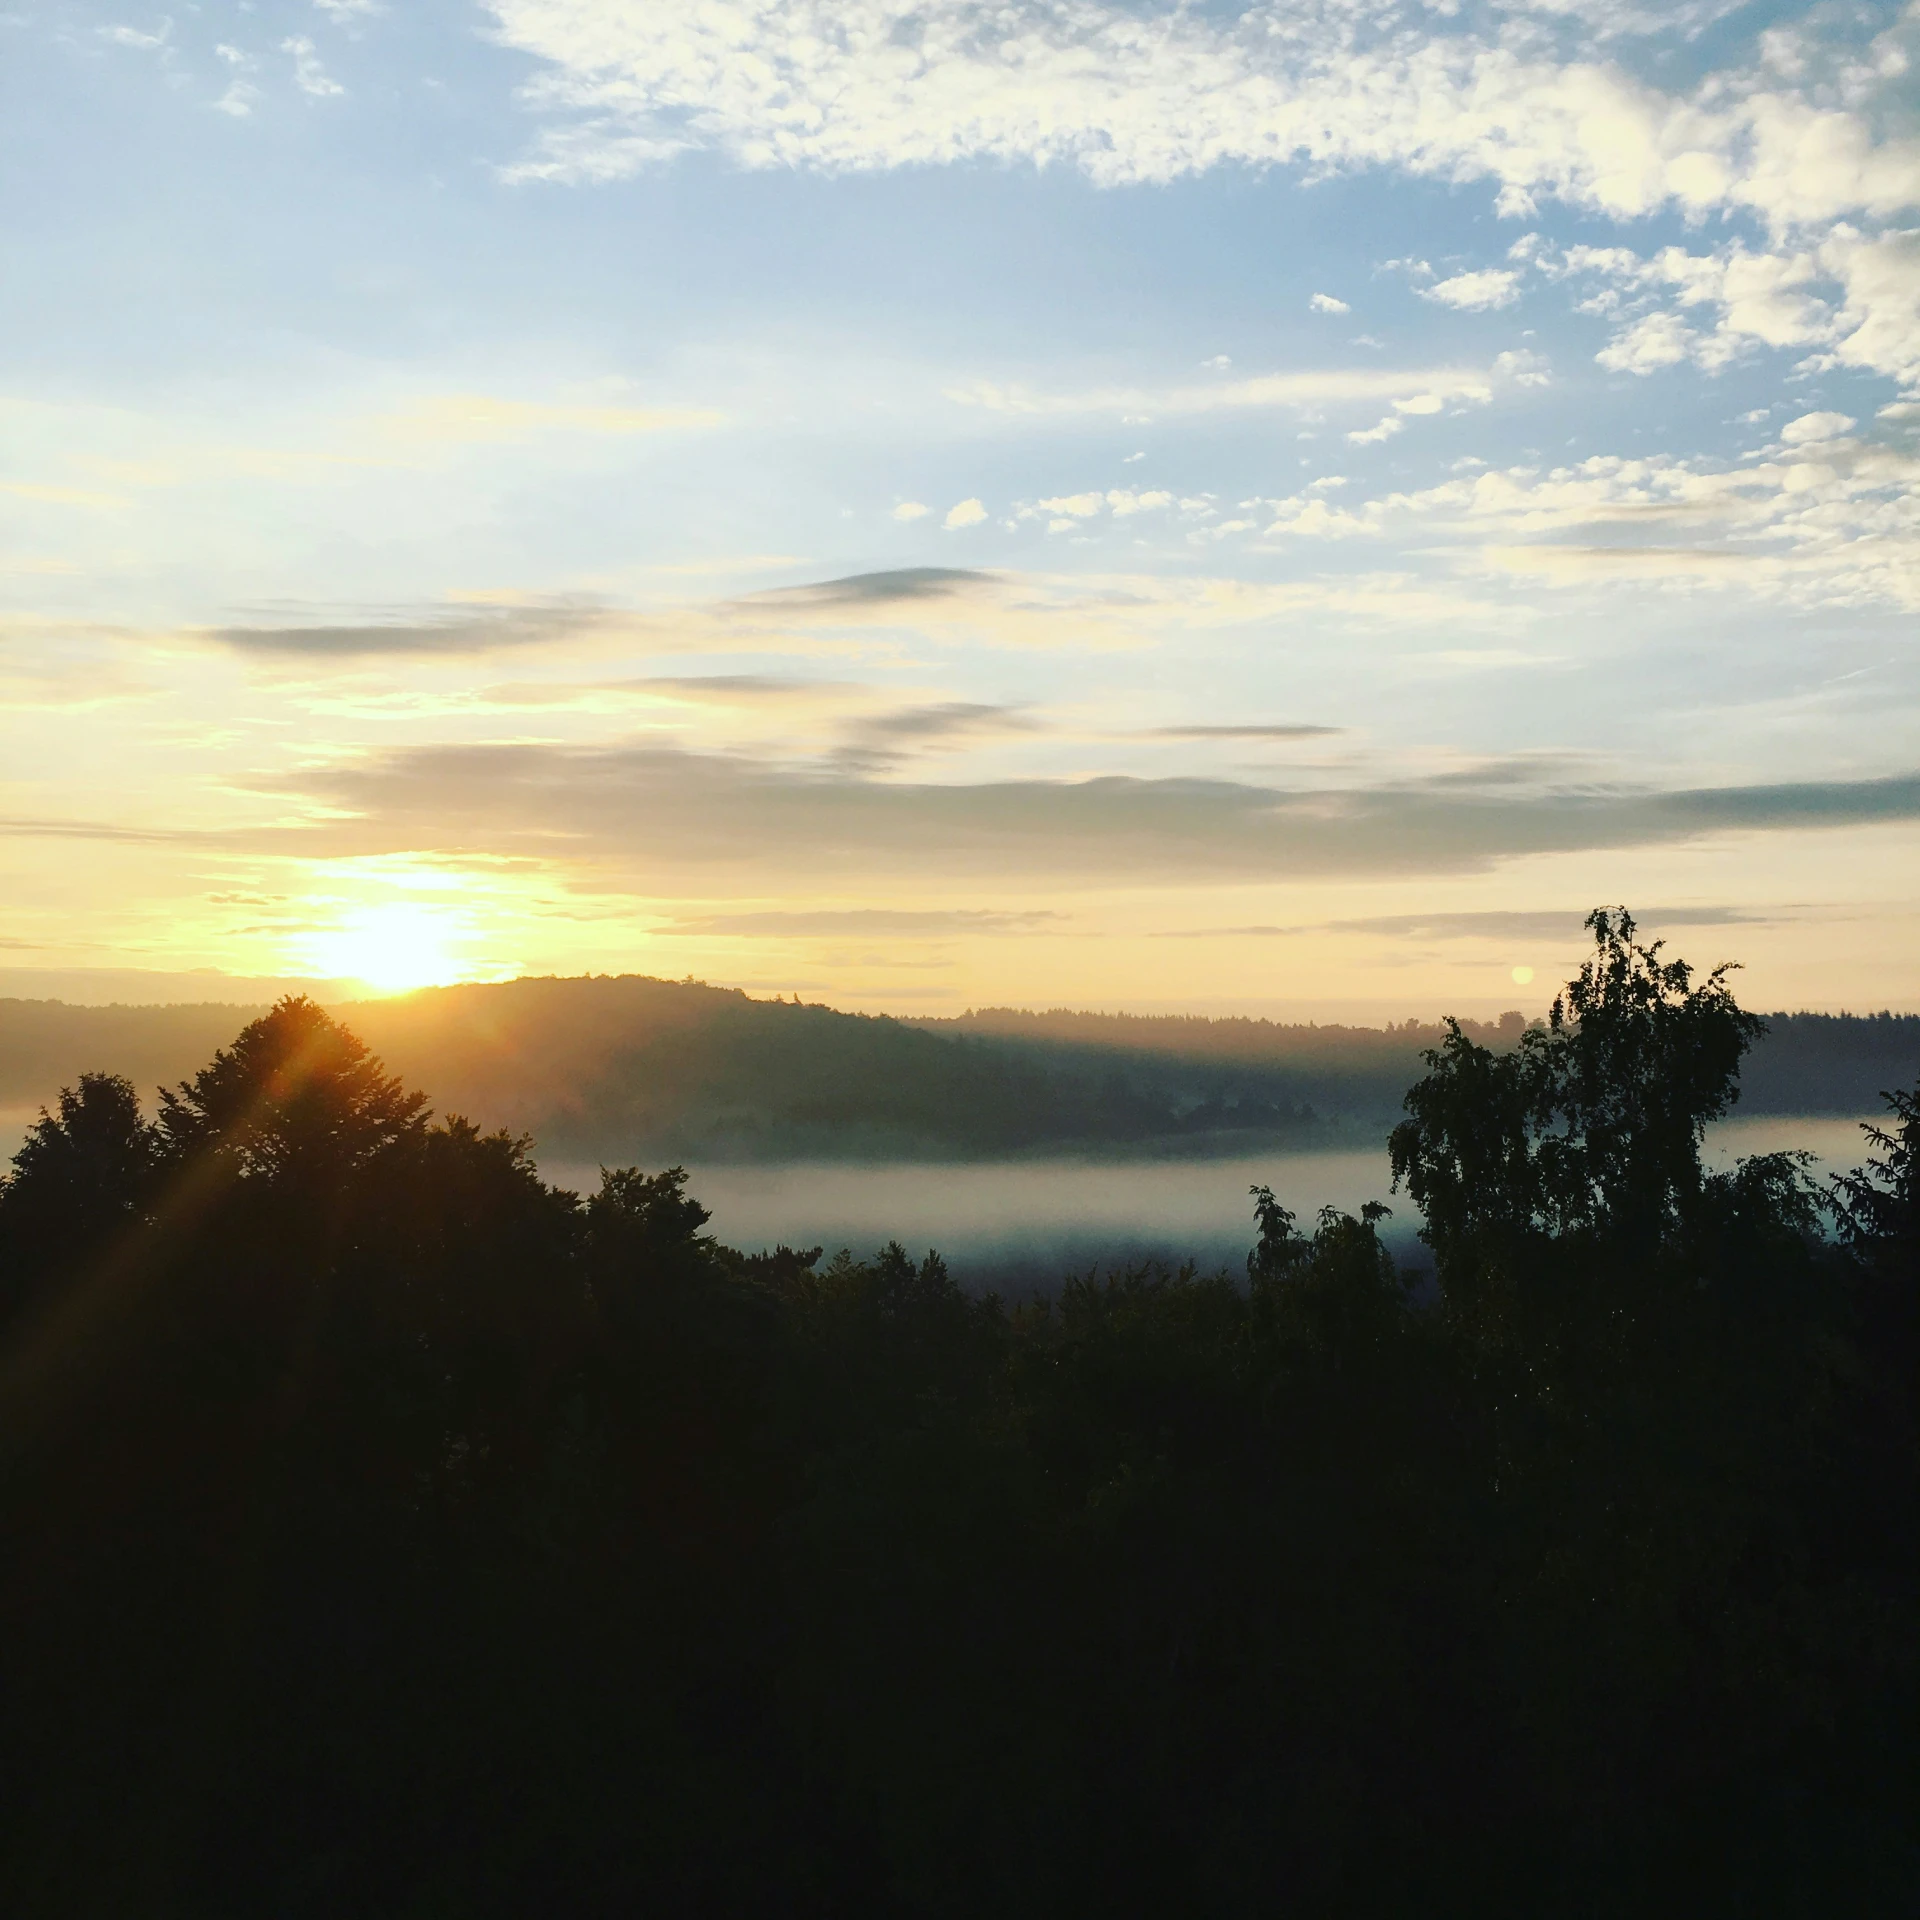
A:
{"x": 393, "y": 948}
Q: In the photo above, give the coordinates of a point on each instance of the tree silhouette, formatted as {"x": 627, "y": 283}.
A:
{"x": 295, "y": 1098}
{"x": 1589, "y": 1127}
{"x": 82, "y": 1174}
{"x": 389, "y": 1531}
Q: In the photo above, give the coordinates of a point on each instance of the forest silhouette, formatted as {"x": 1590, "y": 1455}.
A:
{"x": 389, "y": 1531}
{"x": 621, "y": 1068}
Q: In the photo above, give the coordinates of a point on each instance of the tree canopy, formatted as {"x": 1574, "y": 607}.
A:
{"x": 390, "y": 1531}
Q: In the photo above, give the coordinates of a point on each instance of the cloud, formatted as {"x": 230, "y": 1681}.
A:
{"x": 969, "y": 513}
{"x": 879, "y": 742}
{"x": 452, "y": 631}
{"x": 1326, "y": 303}
{"x": 1817, "y": 426}
{"x": 1126, "y": 503}
{"x": 864, "y": 592}
{"x": 1821, "y": 518}
{"x": 945, "y": 605}
{"x": 862, "y": 923}
{"x": 143, "y": 40}
{"x": 645, "y": 816}
{"x": 911, "y": 510}
{"x": 1476, "y": 292}
{"x": 1126, "y": 94}
{"x": 237, "y": 101}
{"x": 1314, "y": 387}
{"x": 725, "y": 690}
{"x": 344, "y": 12}
{"x": 1853, "y": 296}
{"x": 1564, "y": 925}
{"x": 1660, "y": 340}
{"x": 1063, "y": 512}
{"x": 1242, "y": 733}
{"x": 309, "y": 74}
{"x": 1081, "y": 611}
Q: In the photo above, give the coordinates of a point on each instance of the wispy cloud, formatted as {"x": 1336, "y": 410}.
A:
{"x": 1501, "y": 926}
{"x": 451, "y": 631}
{"x": 890, "y": 588}
{"x": 1479, "y": 292}
{"x": 649, "y": 813}
{"x": 309, "y": 70}
{"x": 1278, "y": 732}
{"x": 1316, "y": 387}
{"x": 863, "y": 923}
{"x": 845, "y": 85}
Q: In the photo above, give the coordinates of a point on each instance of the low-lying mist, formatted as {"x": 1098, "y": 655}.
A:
{"x": 1018, "y": 1226}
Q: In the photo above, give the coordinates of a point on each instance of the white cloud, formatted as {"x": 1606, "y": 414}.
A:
{"x": 1326, "y": 303}
{"x": 1878, "y": 325}
{"x": 1309, "y": 388}
{"x": 1854, "y": 296}
{"x": 911, "y": 510}
{"x": 1126, "y": 95}
{"x": 1817, "y": 426}
{"x": 1372, "y": 436}
{"x": 237, "y": 101}
{"x": 343, "y": 12}
{"x": 1660, "y": 340}
{"x": 1476, "y": 292}
{"x": 1063, "y": 512}
{"x": 969, "y": 513}
{"x": 144, "y": 40}
{"x": 1829, "y": 520}
{"x": 309, "y": 75}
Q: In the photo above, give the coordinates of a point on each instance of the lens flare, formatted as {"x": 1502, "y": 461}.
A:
{"x": 392, "y": 948}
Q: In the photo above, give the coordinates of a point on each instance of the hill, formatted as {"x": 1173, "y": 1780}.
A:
{"x": 630, "y": 1067}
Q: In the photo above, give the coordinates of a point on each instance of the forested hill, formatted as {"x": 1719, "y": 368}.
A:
{"x": 392, "y": 1531}
{"x": 629, "y": 1067}
{"x": 1832, "y": 1063}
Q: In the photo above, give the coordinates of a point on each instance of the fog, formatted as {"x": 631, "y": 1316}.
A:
{"x": 1020, "y": 1225}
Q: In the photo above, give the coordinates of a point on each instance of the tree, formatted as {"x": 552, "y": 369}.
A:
{"x": 1878, "y": 1205}
{"x": 296, "y": 1098}
{"x": 1591, "y": 1126}
{"x": 82, "y": 1174}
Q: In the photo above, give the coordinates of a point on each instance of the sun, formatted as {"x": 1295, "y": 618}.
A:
{"x": 392, "y": 948}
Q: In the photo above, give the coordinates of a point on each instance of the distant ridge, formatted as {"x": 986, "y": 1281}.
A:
{"x": 150, "y": 987}
{"x": 628, "y": 1068}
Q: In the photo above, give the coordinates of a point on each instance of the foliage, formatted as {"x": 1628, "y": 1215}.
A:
{"x": 1591, "y": 1126}
{"x": 392, "y": 1532}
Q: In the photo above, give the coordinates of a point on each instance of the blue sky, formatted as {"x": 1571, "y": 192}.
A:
{"x": 1278, "y": 507}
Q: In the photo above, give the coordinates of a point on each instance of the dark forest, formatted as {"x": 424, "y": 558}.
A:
{"x": 391, "y": 1532}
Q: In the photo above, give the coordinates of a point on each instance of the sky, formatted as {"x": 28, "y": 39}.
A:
{"x": 1276, "y": 508}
